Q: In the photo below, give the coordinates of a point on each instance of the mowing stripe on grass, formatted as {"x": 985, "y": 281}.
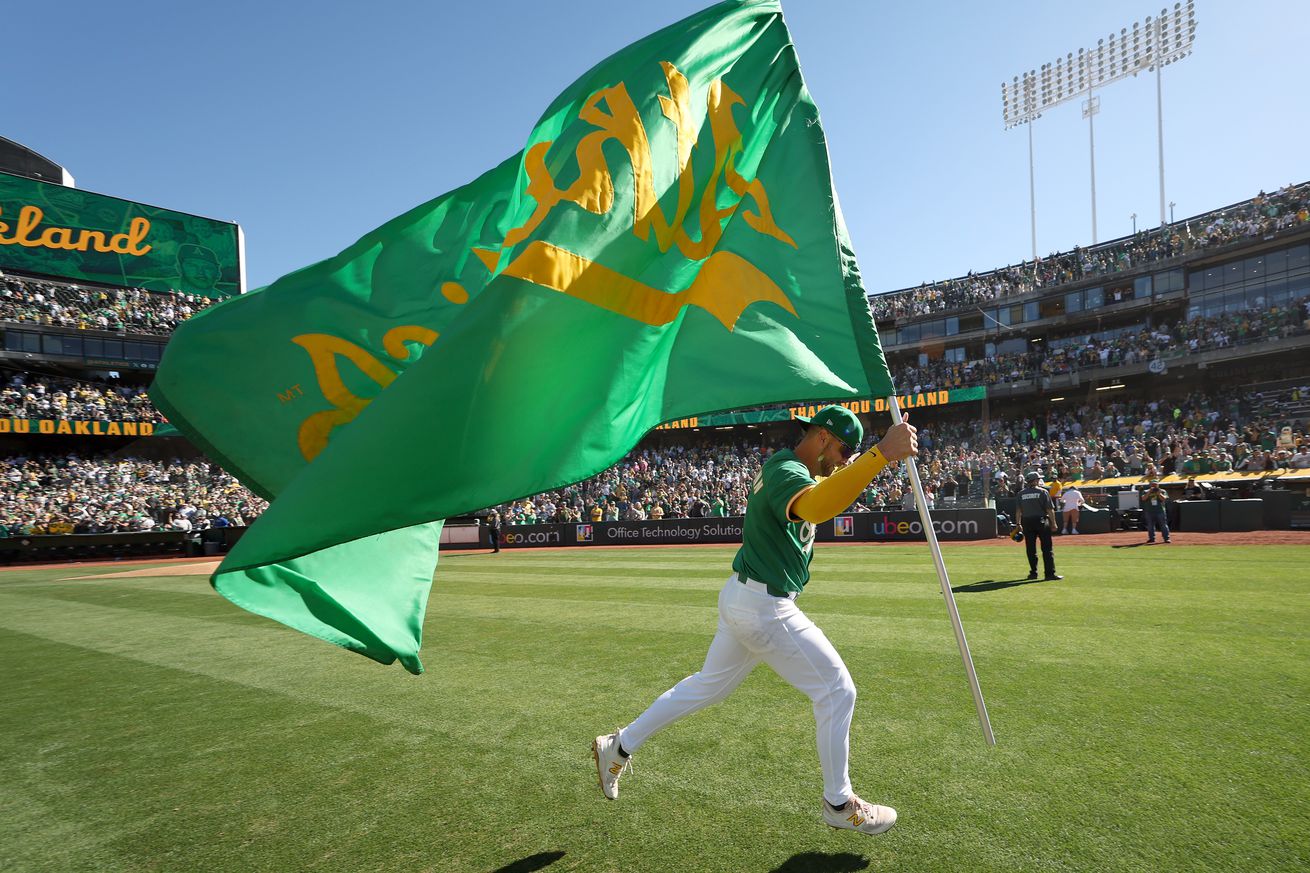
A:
{"x": 1151, "y": 714}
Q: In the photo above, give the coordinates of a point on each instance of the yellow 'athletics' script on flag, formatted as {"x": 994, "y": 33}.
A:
{"x": 726, "y": 283}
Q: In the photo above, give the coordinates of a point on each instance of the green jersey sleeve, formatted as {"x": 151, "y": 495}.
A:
{"x": 782, "y": 482}
{"x": 774, "y": 549}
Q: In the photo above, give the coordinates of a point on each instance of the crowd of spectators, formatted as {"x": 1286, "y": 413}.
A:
{"x": 1196, "y": 434}
{"x": 1112, "y": 349}
{"x": 30, "y": 396}
{"x": 654, "y": 483}
{"x": 60, "y": 304}
{"x": 122, "y": 309}
{"x": 25, "y": 395}
{"x": 74, "y": 493}
{"x": 1192, "y": 435}
{"x": 1288, "y": 207}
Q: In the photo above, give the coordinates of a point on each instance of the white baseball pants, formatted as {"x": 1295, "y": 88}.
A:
{"x": 755, "y": 626}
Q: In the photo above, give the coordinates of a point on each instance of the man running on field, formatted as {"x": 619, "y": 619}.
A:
{"x": 758, "y": 617}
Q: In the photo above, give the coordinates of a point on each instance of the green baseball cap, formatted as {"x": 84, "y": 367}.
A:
{"x": 840, "y": 421}
{"x": 190, "y": 251}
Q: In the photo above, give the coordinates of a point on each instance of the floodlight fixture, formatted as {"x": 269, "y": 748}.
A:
{"x": 1149, "y": 45}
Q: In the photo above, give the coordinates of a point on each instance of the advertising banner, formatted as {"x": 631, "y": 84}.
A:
{"x": 669, "y": 531}
{"x": 898, "y": 526}
{"x": 72, "y": 234}
{"x": 904, "y": 526}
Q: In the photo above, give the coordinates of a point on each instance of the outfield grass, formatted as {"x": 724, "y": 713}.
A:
{"x": 1152, "y": 712}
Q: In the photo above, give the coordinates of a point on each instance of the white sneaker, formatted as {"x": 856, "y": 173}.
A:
{"x": 610, "y": 765}
{"x": 856, "y": 815}
{"x": 1075, "y": 530}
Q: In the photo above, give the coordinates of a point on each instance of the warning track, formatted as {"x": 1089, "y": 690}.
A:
{"x": 1118, "y": 539}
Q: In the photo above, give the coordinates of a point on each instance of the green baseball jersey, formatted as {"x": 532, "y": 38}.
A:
{"x": 775, "y": 550}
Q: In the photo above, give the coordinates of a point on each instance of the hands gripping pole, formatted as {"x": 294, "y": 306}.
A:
{"x": 936, "y": 550}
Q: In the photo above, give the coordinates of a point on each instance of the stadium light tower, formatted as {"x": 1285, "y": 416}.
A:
{"x": 1149, "y": 45}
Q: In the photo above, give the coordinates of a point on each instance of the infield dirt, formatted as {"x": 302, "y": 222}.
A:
{"x": 1117, "y": 540}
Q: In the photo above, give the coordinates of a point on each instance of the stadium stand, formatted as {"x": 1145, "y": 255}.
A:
{"x": 1195, "y": 434}
{"x": 73, "y": 493}
{"x": 30, "y": 396}
{"x": 1177, "y": 352}
{"x": 63, "y": 304}
{"x": 1111, "y": 348}
{"x": 1285, "y": 210}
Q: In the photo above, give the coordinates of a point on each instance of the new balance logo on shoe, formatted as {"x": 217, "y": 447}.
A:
{"x": 610, "y": 765}
{"x": 859, "y": 816}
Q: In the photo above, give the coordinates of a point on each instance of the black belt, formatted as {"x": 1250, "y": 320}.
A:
{"x": 755, "y": 584}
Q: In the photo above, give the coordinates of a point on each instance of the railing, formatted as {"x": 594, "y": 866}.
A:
{"x": 1118, "y": 363}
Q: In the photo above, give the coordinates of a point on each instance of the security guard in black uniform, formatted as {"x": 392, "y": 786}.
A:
{"x": 1037, "y": 517}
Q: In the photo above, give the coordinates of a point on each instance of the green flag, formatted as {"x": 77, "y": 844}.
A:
{"x": 667, "y": 244}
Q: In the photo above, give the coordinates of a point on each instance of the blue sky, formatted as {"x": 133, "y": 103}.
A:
{"x": 312, "y": 123}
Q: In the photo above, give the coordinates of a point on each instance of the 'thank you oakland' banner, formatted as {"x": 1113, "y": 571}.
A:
{"x": 77, "y": 427}
{"x": 59, "y": 231}
{"x": 877, "y": 404}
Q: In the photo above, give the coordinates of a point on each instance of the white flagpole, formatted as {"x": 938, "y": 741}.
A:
{"x": 936, "y": 549}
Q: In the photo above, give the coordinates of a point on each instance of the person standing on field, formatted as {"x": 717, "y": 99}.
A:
{"x": 1153, "y": 511}
{"x": 1071, "y": 500}
{"x": 1037, "y": 516}
{"x": 758, "y": 617}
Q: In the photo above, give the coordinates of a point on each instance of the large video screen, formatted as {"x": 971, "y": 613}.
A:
{"x": 73, "y": 234}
